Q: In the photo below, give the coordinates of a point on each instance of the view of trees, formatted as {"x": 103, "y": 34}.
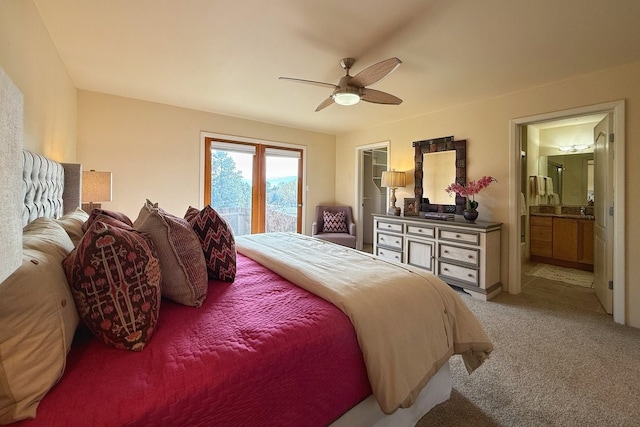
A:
{"x": 228, "y": 189}
{"x": 231, "y": 197}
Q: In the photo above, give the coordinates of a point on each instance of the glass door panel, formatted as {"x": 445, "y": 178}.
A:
{"x": 282, "y": 195}
{"x": 232, "y": 187}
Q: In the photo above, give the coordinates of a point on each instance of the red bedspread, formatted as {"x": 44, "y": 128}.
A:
{"x": 260, "y": 351}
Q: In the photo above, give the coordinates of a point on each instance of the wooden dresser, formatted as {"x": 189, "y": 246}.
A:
{"x": 466, "y": 255}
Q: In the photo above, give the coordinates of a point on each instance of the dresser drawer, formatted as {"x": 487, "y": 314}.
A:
{"x": 389, "y": 254}
{"x": 418, "y": 230}
{"x": 460, "y": 236}
{"x": 389, "y": 226}
{"x": 389, "y": 241}
{"x": 464, "y": 255}
{"x": 462, "y": 274}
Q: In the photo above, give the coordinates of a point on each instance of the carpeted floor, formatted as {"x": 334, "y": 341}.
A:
{"x": 552, "y": 365}
{"x": 562, "y": 274}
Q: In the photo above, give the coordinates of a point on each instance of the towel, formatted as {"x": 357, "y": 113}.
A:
{"x": 523, "y": 205}
{"x": 540, "y": 185}
{"x": 549, "y": 186}
{"x": 555, "y": 199}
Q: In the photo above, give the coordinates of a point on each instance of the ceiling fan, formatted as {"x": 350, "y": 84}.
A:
{"x": 350, "y": 90}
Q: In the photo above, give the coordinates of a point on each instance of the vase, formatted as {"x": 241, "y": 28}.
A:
{"x": 470, "y": 215}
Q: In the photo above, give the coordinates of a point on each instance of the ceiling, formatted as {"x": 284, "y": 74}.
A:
{"x": 225, "y": 56}
{"x": 567, "y": 133}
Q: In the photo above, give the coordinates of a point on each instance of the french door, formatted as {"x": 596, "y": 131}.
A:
{"x": 257, "y": 188}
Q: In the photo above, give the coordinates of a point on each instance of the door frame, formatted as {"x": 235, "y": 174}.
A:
{"x": 203, "y": 155}
{"x": 617, "y": 108}
{"x": 358, "y": 211}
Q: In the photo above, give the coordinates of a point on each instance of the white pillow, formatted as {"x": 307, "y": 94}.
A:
{"x": 38, "y": 319}
{"x": 72, "y": 224}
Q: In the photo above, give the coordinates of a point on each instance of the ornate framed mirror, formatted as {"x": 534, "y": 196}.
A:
{"x": 438, "y": 163}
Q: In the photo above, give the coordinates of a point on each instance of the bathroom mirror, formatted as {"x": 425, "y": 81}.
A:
{"x": 449, "y": 158}
{"x": 572, "y": 178}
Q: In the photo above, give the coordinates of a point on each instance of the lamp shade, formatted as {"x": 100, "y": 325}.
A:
{"x": 394, "y": 179}
{"x": 96, "y": 186}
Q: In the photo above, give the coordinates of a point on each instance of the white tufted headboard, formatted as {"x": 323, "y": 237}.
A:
{"x": 46, "y": 191}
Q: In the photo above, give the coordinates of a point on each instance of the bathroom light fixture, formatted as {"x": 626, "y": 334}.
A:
{"x": 573, "y": 148}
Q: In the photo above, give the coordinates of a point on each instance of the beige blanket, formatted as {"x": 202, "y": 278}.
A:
{"x": 408, "y": 322}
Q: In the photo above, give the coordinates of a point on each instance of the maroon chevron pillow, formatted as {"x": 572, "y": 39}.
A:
{"x": 218, "y": 243}
{"x": 114, "y": 275}
{"x": 334, "y": 222}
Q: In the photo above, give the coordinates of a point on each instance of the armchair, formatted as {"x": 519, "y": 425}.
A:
{"x": 346, "y": 238}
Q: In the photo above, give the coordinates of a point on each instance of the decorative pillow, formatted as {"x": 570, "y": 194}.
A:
{"x": 113, "y": 214}
{"x": 191, "y": 213}
{"x": 217, "y": 241}
{"x": 182, "y": 264}
{"x": 334, "y": 222}
{"x": 46, "y": 235}
{"x": 38, "y": 321}
{"x": 72, "y": 223}
{"x": 114, "y": 276}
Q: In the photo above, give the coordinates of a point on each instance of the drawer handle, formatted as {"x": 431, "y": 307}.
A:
{"x": 382, "y": 239}
{"x": 446, "y": 251}
{"x": 470, "y": 275}
{"x": 388, "y": 225}
{"x": 419, "y": 230}
{"x": 457, "y": 235}
{"x": 445, "y": 269}
{"x": 470, "y": 256}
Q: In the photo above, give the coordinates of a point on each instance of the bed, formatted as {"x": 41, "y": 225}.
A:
{"x": 306, "y": 332}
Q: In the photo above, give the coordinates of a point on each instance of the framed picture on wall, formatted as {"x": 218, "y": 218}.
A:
{"x": 411, "y": 207}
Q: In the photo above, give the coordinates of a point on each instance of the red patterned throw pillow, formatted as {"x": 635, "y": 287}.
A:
{"x": 217, "y": 241}
{"x": 114, "y": 275}
{"x": 334, "y": 222}
{"x": 112, "y": 214}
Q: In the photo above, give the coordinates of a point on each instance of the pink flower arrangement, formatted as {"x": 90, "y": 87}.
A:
{"x": 470, "y": 190}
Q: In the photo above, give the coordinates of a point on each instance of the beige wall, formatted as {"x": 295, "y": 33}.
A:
{"x": 30, "y": 58}
{"x": 154, "y": 151}
{"x": 485, "y": 126}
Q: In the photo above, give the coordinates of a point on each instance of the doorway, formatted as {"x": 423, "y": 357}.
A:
{"x": 371, "y": 197}
{"x": 616, "y": 176}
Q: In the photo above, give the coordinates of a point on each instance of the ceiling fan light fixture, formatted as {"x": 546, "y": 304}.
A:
{"x": 346, "y": 98}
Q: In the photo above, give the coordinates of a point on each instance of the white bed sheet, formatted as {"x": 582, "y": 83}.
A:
{"x": 367, "y": 413}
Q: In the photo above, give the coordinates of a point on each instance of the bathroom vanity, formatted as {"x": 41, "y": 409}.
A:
{"x": 564, "y": 238}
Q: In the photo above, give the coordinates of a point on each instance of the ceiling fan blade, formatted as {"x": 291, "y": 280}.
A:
{"x": 325, "y": 104}
{"x": 379, "y": 97}
{"x": 311, "y": 82}
{"x": 375, "y": 73}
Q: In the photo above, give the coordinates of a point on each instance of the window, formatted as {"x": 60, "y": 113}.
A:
{"x": 256, "y": 187}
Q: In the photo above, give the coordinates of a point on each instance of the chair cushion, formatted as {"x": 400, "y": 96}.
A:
{"x": 334, "y": 222}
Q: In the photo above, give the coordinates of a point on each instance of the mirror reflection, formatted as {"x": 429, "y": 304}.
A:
{"x": 572, "y": 176}
{"x": 439, "y": 171}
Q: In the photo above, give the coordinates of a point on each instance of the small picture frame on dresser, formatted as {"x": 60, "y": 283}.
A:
{"x": 411, "y": 207}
